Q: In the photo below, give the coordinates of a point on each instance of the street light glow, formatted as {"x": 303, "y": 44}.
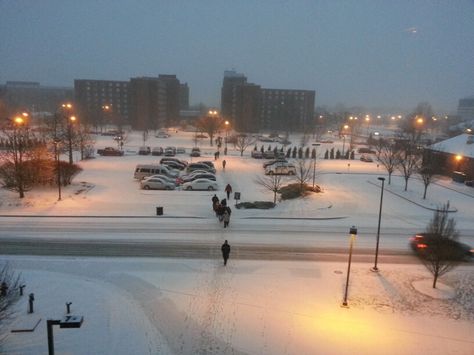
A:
{"x": 419, "y": 120}
{"x": 19, "y": 120}
{"x": 73, "y": 118}
{"x": 458, "y": 157}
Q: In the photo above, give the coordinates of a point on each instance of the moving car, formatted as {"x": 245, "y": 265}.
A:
{"x": 280, "y": 168}
{"x": 156, "y": 183}
{"x": 425, "y": 244}
{"x": 200, "y": 184}
{"x": 366, "y": 158}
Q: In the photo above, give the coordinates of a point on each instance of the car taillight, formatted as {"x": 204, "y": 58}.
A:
{"x": 421, "y": 246}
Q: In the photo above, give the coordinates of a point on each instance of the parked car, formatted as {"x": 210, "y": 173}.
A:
{"x": 163, "y": 177}
{"x": 195, "y": 152}
{"x": 162, "y": 134}
{"x": 174, "y": 165}
{"x": 366, "y": 158}
{"x": 110, "y": 151}
{"x": 144, "y": 150}
{"x": 144, "y": 170}
{"x": 271, "y": 162}
{"x": 269, "y": 154}
{"x": 200, "y": 184}
{"x": 157, "y": 151}
{"x": 280, "y": 168}
{"x": 194, "y": 176}
{"x": 210, "y": 164}
{"x": 424, "y": 243}
{"x": 365, "y": 150}
{"x": 469, "y": 183}
{"x": 170, "y": 152}
{"x": 156, "y": 183}
{"x": 256, "y": 154}
{"x": 181, "y": 150}
{"x": 198, "y": 166}
{"x": 183, "y": 162}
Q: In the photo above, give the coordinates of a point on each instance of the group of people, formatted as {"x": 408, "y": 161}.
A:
{"x": 221, "y": 210}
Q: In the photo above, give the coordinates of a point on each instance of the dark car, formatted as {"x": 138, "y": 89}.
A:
{"x": 425, "y": 244}
{"x": 199, "y": 166}
{"x": 174, "y": 165}
{"x": 144, "y": 150}
{"x": 156, "y": 151}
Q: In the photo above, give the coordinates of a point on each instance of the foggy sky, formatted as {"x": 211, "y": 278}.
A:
{"x": 369, "y": 53}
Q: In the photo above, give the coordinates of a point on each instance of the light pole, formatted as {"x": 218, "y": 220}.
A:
{"x": 67, "y": 322}
{"x": 56, "y": 142}
{"x": 70, "y": 122}
{"x": 226, "y": 136}
{"x": 344, "y": 137}
{"x": 315, "y": 145}
{"x": 353, "y": 233}
{"x": 378, "y": 228}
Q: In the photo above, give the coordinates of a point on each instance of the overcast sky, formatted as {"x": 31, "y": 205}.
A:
{"x": 370, "y": 53}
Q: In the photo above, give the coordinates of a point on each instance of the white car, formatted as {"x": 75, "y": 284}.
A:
{"x": 162, "y": 134}
{"x": 155, "y": 183}
{"x": 280, "y": 168}
{"x": 162, "y": 177}
{"x": 200, "y": 184}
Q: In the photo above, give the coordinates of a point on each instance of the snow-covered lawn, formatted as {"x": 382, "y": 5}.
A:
{"x": 171, "y": 306}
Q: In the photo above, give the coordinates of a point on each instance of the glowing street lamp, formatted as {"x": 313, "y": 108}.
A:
{"x": 458, "y": 161}
{"x": 227, "y": 123}
{"x": 71, "y": 121}
{"x": 345, "y": 127}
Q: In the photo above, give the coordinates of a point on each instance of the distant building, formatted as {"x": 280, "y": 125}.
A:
{"x": 446, "y": 151}
{"x": 102, "y": 101}
{"x": 32, "y": 97}
{"x": 251, "y": 108}
{"x": 142, "y": 102}
{"x": 466, "y": 109}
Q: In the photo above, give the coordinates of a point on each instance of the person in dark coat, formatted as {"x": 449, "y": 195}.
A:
{"x": 225, "y": 248}
{"x": 228, "y": 190}
{"x": 224, "y": 202}
{"x": 223, "y": 164}
{"x": 226, "y": 218}
{"x": 220, "y": 212}
{"x": 215, "y": 199}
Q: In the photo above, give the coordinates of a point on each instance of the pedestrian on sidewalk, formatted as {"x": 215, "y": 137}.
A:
{"x": 228, "y": 190}
{"x": 226, "y": 218}
{"x": 224, "y": 164}
{"x": 225, "y": 248}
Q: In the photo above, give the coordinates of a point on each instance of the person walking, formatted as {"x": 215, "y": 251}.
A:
{"x": 225, "y": 248}
{"x": 223, "y": 164}
{"x": 226, "y": 218}
{"x": 228, "y": 190}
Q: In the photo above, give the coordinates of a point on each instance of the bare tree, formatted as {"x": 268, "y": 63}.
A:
{"x": 211, "y": 125}
{"x": 439, "y": 256}
{"x": 387, "y": 155}
{"x": 243, "y": 141}
{"x": 13, "y": 172}
{"x": 85, "y": 142}
{"x": 409, "y": 160}
{"x": 428, "y": 170}
{"x": 304, "y": 170}
{"x": 271, "y": 182}
{"x": 9, "y": 292}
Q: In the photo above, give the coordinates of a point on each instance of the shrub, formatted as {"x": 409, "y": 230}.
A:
{"x": 262, "y": 205}
{"x": 291, "y": 191}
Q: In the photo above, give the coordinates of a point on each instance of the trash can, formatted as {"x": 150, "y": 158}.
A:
{"x": 159, "y": 211}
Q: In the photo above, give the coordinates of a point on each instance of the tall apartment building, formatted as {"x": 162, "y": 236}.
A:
{"x": 142, "y": 102}
{"x": 466, "y": 109}
{"x": 92, "y": 96}
{"x": 183, "y": 96}
{"x": 33, "y": 97}
{"x": 252, "y": 108}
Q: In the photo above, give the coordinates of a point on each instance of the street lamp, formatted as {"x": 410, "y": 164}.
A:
{"x": 315, "y": 145}
{"x": 378, "y": 228}
{"x": 344, "y": 138}
{"x": 67, "y": 322}
{"x": 458, "y": 162}
{"x": 353, "y": 233}
{"x": 226, "y": 135}
{"x": 71, "y": 121}
{"x": 56, "y": 142}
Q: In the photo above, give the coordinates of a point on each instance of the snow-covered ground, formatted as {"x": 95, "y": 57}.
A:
{"x": 171, "y": 306}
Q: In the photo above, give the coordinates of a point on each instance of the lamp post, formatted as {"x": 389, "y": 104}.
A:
{"x": 344, "y": 137}
{"x": 70, "y": 123}
{"x": 56, "y": 142}
{"x": 353, "y": 233}
{"x": 18, "y": 140}
{"x": 378, "y": 227}
{"x": 67, "y": 322}
{"x": 226, "y": 135}
{"x": 315, "y": 145}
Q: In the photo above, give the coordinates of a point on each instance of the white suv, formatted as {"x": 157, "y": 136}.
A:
{"x": 280, "y": 168}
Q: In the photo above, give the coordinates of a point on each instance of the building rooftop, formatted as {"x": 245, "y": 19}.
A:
{"x": 462, "y": 145}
